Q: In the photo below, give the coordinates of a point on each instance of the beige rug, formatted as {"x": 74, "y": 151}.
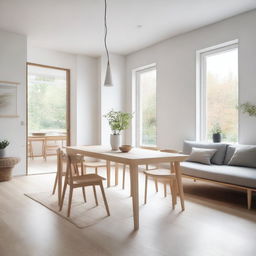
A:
{"x": 86, "y": 214}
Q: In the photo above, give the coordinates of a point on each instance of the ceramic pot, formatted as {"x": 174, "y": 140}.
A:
{"x": 2, "y": 152}
{"x": 115, "y": 141}
{"x": 216, "y": 137}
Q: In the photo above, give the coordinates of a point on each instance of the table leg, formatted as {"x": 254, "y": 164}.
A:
{"x": 131, "y": 183}
{"x": 135, "y": 194}
{"x": 179, "y": 183}
{"x": 108, "y": 174}
{"x": 116, "y": 173}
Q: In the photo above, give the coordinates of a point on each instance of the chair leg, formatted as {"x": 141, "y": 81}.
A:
{"x": 70, "y": 201}
{"x": 104, "y": 198}
{"x": 124, "y": 176}
{"x": 146, "y": 188}
{"x": 173, "y": 193}
{"x": 249, "y": 198}
{"x": 84, "y": 195}
{"x": 156, "y": 185}
{"x": 95, "y": 195}
{"x": 165, "y": 190}
{"x": 55, "y": 184}
{"x": 63, "y": 195}
{"x": 175, "y": 190}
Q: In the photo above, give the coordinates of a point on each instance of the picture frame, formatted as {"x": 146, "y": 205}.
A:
{"x": 8, "y": 99}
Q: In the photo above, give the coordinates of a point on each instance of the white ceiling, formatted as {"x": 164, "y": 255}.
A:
{"x": 76, "y": 26}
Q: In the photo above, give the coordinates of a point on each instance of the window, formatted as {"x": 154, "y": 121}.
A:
{"x": 146, "y": 107}
{"x": 218, "y": 92}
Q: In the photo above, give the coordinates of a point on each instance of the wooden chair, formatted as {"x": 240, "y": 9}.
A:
{"x": 61, "y": 172}
{"x": 50, "y": 148}
{"x": 96, "y": 165}
{"x": 147, "y": 167}
{"x": 76, "y": 179}
{"x": 167, "y": 176}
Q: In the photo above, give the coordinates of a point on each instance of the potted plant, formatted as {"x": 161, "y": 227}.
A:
{"x": 118, "y": 121}
{"x": 248, "y": 108}
{"x": 216, "y": 133}
{"x": 3, "y": 145}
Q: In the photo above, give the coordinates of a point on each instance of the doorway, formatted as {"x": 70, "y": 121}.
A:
{"x": 48, "y": 116}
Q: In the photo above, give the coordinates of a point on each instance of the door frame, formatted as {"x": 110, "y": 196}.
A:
{"x": 67, "y": 103}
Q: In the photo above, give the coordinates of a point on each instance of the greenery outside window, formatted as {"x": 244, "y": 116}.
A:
{"x": 146, "y": 107}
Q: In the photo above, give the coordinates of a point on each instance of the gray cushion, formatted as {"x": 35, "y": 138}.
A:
{"x": 218, "y": 157}
{"x": 241, "y": 176}
{"x": 201, "y": 155}
{"x": 229, "y": 153}
{"x": 244, "y": 156}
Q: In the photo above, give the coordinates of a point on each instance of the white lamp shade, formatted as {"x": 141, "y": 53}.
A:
{"x": 108, "y": 77}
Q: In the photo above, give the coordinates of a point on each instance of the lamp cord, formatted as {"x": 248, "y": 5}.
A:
{"x": 106, "y": 30}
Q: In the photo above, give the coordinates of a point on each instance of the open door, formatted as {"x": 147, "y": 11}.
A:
{"x": 48, "y": 116}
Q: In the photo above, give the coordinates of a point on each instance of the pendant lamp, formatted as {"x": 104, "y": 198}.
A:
{"x": 108, "y": 78}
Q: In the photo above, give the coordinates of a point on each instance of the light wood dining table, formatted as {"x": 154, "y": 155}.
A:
{"x": 134, "y": 158}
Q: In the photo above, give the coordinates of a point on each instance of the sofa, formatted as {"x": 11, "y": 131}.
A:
{"x": 225, "y": 167}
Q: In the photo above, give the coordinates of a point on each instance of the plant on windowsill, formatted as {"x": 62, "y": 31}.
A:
{"x": 216, "y": 133}
{"x": 248, "y": 108}
{"x": 118, "y": 121}
{"x": 3, "y": 145}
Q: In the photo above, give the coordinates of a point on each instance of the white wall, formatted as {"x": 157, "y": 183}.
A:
{"x": 111, "y": 97}
{"x": 88, "y": 119}
{"x": 13, "y": 52}
{"x": 176, "y": 77}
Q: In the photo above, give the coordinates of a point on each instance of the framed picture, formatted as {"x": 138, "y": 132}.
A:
{"x": 8, "y": 99}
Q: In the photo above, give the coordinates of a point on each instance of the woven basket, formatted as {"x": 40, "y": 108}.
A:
{"x": 6, "y": 166}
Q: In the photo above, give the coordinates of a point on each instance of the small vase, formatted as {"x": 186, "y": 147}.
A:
{"x": 216, "y": 137}
{"x": 115, "y": 141}
{"x": 2, "y": 153}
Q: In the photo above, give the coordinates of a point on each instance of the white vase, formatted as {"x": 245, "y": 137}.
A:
{"x": 115, "y": 141}
{"x": 2, "y": 152}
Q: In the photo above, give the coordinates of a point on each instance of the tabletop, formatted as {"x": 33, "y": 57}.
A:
{"x": 135, "y": 156}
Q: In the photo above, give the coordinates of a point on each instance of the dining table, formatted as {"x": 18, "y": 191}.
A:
{"x": 133, "y": 158}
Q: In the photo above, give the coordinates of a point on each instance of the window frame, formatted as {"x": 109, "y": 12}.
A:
{"x": 201, "y": 101}
{"x": 138, "y": 132}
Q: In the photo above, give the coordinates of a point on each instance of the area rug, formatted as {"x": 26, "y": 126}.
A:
{"x": 86, "y": 214}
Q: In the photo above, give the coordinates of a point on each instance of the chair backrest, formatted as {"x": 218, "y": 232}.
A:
{"x": 61, "y": 157}
{"x": 76, "y": 161}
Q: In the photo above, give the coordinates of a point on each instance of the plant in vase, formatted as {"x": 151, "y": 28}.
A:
{"x": 118, "y": 121}
{"x": 216, "y": 133}
{"x": 3, "y": 145}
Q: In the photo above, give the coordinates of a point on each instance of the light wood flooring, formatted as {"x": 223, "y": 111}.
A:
{"x": 38, "y": 165}
{"x": 215, "y": 222}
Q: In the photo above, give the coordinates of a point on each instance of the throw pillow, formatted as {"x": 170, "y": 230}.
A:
{"x": 244, "y": 156}
{"x": 201, "y": 155}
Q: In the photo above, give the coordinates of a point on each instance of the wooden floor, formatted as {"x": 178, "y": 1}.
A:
{"x": 38, "y": 165}
{"x": 215, "y": 222}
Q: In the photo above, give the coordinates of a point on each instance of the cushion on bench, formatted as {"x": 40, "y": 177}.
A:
{"x": 237, "y": 175}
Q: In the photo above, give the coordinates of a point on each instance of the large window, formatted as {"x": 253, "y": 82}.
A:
{"x": 218, "y": 91}
{"x": 146, "y": 106}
